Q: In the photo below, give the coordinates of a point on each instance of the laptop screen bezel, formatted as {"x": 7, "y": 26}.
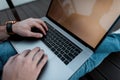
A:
{"x": 77, "y": 38}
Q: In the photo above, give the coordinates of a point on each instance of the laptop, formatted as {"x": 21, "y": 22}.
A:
{"x": 76, "y": 29}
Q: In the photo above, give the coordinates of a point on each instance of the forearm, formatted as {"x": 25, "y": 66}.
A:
{"x": 3, "y": 33}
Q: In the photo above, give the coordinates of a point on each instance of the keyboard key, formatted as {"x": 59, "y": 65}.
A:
{"x": 67, "y": 57}
{"x": 71, "y": 55}
{"x": 59, "y": 55}
{"x": 66, "y": 62}
{"x": 62, "y": 58}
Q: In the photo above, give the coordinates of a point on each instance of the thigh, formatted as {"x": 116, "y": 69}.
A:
{"x": 6, "y": 51}
{"x": 109, "y": 45}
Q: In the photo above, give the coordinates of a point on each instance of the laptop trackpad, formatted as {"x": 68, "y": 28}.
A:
{"x": 23, "y": 45}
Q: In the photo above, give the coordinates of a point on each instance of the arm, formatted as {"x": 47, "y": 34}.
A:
{"x": 3, "y": 33}
{"x": 23, "y": 28}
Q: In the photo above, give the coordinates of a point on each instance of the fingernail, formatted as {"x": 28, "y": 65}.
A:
{"x": 41, "y": 35}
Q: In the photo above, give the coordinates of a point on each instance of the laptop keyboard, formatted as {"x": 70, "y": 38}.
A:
{"x": 60, "y": 45}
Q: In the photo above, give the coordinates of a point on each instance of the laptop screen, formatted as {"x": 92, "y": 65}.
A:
{"x": 89, "y": 20}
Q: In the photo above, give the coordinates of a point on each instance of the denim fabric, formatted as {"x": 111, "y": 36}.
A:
{"x": 6, "y": 51}
{"x": 110, "y": 44}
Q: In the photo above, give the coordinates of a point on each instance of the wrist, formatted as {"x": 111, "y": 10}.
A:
{"x": 9, "y": 27}
{"x": 4, "y": 29}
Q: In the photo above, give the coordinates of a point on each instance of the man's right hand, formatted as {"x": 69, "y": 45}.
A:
{"x": 25, "y": 66}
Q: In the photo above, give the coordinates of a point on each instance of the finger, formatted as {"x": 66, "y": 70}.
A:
{"x": 42, "y": 63}
{"x": 33, "y": 34}
{"x": 24, "y": 53}
{"x": 32, "y": 53}
{"x": 42, "y": 23}
{"x": 40, "y": 27}
{"x": 11, "y": 59}
{"x": 38, "y": 57}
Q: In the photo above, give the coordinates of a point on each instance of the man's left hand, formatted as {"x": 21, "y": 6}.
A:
{"x": 23, "y": 28}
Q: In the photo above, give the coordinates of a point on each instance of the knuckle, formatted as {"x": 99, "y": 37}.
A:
{"x": 37, "y": 48}
{"x": 43, "y": 61}
{"x": 39, "y": 55}
{"x": 26, "y": 51}
{"x": 31, "y": 18}
{"x": 42, "y": 23}
{"x": 28, "y": 34}
{"x": 19, "y": 58}
{"x": 33, "y": 22}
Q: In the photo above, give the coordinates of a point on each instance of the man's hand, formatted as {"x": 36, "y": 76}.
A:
{"x": 23, "y": 28}
{"x": 25, "y": 66}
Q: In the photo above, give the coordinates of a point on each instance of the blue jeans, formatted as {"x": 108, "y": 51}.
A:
{"x": 110, "y": 44}
{"x": 6, "y": 51}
